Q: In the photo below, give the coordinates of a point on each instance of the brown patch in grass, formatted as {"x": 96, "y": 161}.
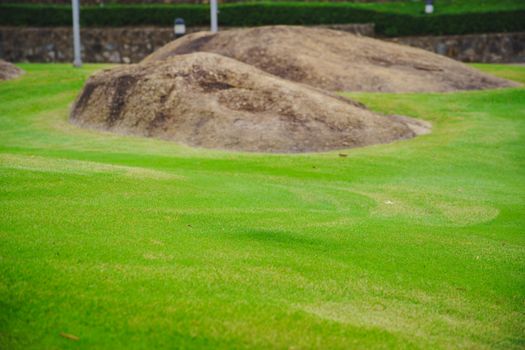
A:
{"x": 335, "y": 60}
{"x": 9, "y": 71}
{"x": 212, "y": 101}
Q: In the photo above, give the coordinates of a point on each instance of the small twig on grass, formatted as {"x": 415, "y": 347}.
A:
{"x": 69, "y": 336}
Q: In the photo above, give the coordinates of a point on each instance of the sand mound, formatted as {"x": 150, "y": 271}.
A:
{"x": 212, "y": 101}
{"x": 335, "y": 60}
{"x": 9, "y": 70}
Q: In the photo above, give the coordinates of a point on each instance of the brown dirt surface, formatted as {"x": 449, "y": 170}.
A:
{"x": 336, "y": 60}
{"x": 208, "y": 100}
{"x": 9, "y": 70}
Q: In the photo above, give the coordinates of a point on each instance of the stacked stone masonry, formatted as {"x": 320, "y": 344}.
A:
{"x": 487, "y": 48}
{"x": 131, "y": 44}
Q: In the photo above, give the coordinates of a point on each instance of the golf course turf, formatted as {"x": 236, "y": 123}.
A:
{"x": 110, "y": 242}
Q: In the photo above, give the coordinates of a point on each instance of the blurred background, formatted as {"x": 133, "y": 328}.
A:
{"x": 125, "y": 31}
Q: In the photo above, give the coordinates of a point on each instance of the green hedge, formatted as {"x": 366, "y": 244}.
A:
{"x": 255, "y": 14}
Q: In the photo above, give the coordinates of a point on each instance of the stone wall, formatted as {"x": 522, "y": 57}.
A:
{"x": 115, "y": 45}
{"x": 131, "y": 44}
{"x": 488, "y": 48}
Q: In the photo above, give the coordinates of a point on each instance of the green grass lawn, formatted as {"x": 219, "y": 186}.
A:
{"x": 136, "y": 243}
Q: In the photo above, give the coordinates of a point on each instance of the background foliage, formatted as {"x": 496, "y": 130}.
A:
{"x": 391, "y": 19}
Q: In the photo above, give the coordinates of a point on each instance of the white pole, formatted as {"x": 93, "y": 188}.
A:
{"x": 76, "y": 34}
{"x": 213, "y": 14}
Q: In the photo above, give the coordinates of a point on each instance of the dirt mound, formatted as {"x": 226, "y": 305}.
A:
{"x": 9, "y": 70}
{"x": 212, "y": 101}
{"x": 335, "y": 60}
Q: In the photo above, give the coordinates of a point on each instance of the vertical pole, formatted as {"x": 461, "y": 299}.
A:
{"x": 213, "y": 15}
{"x": 76, "y": 34}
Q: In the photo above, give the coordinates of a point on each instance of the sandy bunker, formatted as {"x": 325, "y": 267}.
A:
{"x": 335, "y": 60}
{"x": 212, "y": 101}
{"x": 9, "y": 71}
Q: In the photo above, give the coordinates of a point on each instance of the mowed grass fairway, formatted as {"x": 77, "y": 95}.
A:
{"x": 136, "y": 243}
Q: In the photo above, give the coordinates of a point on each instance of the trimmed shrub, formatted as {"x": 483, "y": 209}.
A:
{"x": 256, "y": 14}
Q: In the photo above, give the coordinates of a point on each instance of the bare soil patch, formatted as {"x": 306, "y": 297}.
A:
{"x": 336, "y": 60}
{"x": 208, "y": 100}
{"x": 9, "y": 71}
